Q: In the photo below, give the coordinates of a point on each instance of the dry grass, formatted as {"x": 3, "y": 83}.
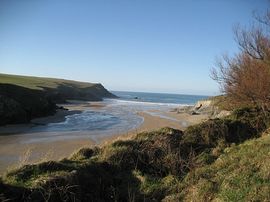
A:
{"x": 24, "y": 159}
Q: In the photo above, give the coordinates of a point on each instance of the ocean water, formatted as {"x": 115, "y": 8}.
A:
{"x": 159, "y": 98}
{"x": 118, "y": 115}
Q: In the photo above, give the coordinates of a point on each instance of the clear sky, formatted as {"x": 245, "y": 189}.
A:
{"x": 132, "y": 45}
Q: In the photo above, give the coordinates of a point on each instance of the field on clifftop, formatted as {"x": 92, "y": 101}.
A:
{"x": 40, "y": 82}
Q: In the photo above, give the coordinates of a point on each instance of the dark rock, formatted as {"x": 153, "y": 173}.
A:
{"x": 11, "y": 111}
{"x": 194, "y": 113}
{"x": 20, "y": 105}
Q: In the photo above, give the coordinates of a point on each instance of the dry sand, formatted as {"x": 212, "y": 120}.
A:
{"x": 174, "y": 120}
{"x": 16, "y": 155}
{"x": 13, "y": 154}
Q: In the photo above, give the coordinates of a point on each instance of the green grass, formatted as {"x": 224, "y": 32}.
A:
{"x": 242, "y": 173}
{"x": 39, "y": 82}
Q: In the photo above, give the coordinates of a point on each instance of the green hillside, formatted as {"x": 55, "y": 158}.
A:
{"x": 242, "y": 173}
{"x": 59, "y": 89}
{"x": 40, "y": 82}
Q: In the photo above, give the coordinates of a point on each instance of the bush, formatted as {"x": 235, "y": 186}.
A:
{"x": 85, "y": 153}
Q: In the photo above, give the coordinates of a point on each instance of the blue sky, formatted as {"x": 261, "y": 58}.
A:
{"x": 132, "y": 45}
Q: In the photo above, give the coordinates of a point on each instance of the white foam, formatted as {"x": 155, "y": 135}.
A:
{"x": 130, "y": 102}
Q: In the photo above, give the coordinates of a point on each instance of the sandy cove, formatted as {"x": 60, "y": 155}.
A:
{"x": 13, "y": 154}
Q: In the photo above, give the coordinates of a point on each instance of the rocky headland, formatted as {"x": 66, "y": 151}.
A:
{"x": 23, "y": 98}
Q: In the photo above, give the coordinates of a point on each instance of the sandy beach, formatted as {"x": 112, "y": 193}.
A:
{"x": 14, "y": 154}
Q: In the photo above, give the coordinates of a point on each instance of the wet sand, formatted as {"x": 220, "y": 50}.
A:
{"x": 22, "y": 128}
{"x": 17, "y": 150}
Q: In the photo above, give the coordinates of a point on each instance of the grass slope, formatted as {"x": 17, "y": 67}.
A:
{"x": 40, "y": 82}
{"x": 242, "y": 173}
{"x": 59, "y": 90}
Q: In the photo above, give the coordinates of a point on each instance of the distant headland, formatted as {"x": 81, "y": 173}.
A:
{"x": 23, "y": 98}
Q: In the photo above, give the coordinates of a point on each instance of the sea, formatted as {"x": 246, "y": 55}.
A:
{"x": 158, "y": 98}
{"x": 118, "y": 116}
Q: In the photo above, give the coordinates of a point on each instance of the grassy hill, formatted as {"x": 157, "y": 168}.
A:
{"x": 68, "y": 89}
{"x": 218, "y": 160}
{"x": 39, "y": 82}
{"x": 23, "y": 98}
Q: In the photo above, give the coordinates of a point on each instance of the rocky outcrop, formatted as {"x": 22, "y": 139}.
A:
{"x": 209, "y": 107}
{"x": 11, "y": 111}
{"x": 204, "y": 107}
